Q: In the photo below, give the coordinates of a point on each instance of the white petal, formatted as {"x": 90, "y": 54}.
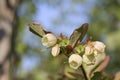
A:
{"x": 89, "y": 60}
{"x": 99, "y": 46}
{"x": 55, "y": 50}
{"x": 88, "y": 50}
{"x": 49, "y": 40}
{"x": 75, "y": 61}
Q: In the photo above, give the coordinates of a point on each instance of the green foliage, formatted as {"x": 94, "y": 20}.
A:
{"x": 21, "y": 48}
{"x": 24, "y": 12}
{"x": 98, "y": 76}
{"x": 104, "y": 25}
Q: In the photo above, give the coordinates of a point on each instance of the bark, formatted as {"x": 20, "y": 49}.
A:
{"x": 7, "y": 26}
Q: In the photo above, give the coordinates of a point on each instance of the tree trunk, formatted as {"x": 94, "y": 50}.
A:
{"x": 7, "y": 24}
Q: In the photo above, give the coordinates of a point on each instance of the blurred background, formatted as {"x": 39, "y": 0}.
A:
{"x": 32, "y": 61}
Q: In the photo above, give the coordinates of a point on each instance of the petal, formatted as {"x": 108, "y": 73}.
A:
{"x": 75, "y": 61}
{"x": 89, "y": 60}
{"x": 99, "y": 46}
{"x": 49, "y": 40}
{"x": 55, "y": 50}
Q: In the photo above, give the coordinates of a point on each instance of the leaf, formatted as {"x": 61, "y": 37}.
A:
{"x": 72, "y": 74}
{"x": 98, "y": 76}
{"x": 77, "y": 75}
{"x": 78, "y": 34}
{"x": 101, "y": 76}
{"x": 37, "y": 29}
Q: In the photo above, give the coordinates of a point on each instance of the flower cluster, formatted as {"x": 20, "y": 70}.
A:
{"x": 92, "y": 49}
{"x": 50, "y": 40}
{"x": 81, "y": 54}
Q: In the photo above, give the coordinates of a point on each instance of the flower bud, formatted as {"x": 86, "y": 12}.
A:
{"x": 55, "y": 50}
{"x": 99, "y": 46}
{"x": 49, "y": 40}
{"x": 75, "y": 61}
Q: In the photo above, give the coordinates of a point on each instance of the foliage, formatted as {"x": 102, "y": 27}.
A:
{"x": 105, "y": 20}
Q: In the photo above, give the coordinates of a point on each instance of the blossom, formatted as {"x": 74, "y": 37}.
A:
{"x": 75, "y": 61}
{"x": 90, "y": 54}
{"x": 89, "y": 59}
{"x": 89, "y": 50}
{"x": 99, "y": 46}
{"x": 55, "y": 50}
{"x": 49, "y": 40}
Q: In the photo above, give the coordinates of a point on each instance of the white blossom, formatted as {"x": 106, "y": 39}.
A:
{"x": 49, "y": 40}
{"x": 75, "y": 61}
{"x": 99, "y": 46}
{"x": 55, "y": 50}
{"x": 89, "y": 59}
{"x": 89, "y": 50}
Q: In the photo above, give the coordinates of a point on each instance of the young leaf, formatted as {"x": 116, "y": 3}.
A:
{"x": 78, "y": 34}
{"x": 37, "y": 29}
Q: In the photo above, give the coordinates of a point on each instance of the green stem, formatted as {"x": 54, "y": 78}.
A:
{"x": 84, "y": 73}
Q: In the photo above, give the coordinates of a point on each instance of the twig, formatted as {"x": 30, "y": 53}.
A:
{"x": 84, "y": 73}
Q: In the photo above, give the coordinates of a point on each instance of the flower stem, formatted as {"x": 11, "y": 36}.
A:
{"x": 84, "y": 73}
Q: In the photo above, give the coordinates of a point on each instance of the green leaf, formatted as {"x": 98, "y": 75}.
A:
{"x": 78, "y": 34}
{"x": 37, "y": 29}
{"x": 98, "y": 76}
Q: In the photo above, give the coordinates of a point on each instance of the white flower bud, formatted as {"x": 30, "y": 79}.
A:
{"x": 99, "y": 46}
{"x": 49, "y": 40}
{"x": 75, "y": 61}
{"x": 89, "y": 59}
{"x": 55, "y": 50}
